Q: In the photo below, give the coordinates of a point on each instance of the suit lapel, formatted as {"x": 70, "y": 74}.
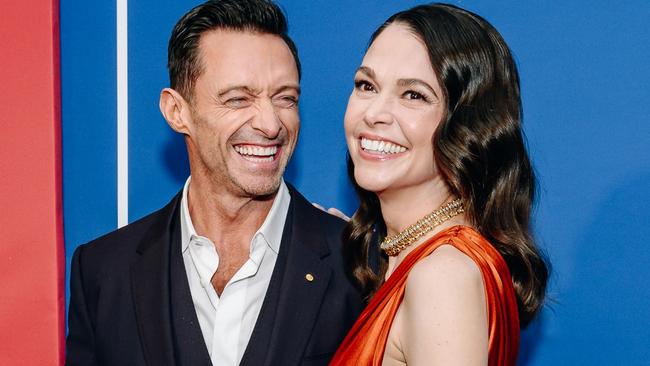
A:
{"x": 305, "y": 280}
{"x": 188, "y": 340}
{"x": 290, "y": 308}
{"x": 151, "y": 289}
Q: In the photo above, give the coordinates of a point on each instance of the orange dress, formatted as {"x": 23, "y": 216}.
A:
{"x": 365, "y": 343}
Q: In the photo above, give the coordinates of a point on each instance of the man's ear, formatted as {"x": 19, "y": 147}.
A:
{"x": 176, "y": 110}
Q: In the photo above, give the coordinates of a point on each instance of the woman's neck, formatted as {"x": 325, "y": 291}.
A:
{"x": 406, "y": 205}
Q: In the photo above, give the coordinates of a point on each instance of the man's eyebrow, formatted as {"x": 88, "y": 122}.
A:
{"x": 287, "y": 87}
{"x": 410, "y": 82}
{"x": 248, "y": 90}
{"x": 368, "y": 71}
{"x": 244, "y": 88}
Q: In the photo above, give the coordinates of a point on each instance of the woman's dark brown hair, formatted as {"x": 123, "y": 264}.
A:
{"x": 479, "y": 148}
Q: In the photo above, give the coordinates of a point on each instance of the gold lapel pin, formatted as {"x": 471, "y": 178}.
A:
{"x": 309, "y": 277}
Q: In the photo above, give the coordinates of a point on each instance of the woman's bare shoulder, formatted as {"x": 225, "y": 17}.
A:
{"x": 444, "y": 311}
{"x": 447, "y": 265}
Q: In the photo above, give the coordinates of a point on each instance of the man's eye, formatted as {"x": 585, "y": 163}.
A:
{"x": 238, "y": 102}
{"x": 363, "y": 86}
{"x": 286, "y": 101}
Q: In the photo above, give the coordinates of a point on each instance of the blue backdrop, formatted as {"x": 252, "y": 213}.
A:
{"x": 585, "y": 75}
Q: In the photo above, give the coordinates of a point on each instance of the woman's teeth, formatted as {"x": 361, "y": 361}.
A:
{"x": 379, "y": 146}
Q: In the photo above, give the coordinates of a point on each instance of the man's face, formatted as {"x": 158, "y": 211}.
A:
{"x": 244, "y": 121}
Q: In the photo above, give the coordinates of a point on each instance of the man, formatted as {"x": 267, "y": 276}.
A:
{"x": 238, "y": 268}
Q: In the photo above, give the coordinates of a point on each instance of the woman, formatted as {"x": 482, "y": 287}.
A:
{"x": 433, "y": 128}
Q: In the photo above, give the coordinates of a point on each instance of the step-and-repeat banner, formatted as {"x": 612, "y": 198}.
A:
{"x": 585, "y": 78}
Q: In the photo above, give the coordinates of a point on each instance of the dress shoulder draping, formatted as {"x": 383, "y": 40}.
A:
{"x": 365, "y": 343}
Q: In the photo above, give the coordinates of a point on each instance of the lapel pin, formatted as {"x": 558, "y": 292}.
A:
{"x": 309, "y": 277}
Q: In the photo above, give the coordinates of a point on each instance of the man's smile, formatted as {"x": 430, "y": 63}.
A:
{"x": 258, "y": 153}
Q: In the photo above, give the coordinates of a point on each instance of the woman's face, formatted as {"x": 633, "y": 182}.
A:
{"x": 393, "y": 112}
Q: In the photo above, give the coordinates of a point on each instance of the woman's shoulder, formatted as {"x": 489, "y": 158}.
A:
{"x": 444, "y": 313}
{"x": 447, "y": 268}
{"x": 463, "y": 247}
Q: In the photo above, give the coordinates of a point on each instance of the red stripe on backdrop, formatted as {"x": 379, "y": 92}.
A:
{"x": 32, "y": 297}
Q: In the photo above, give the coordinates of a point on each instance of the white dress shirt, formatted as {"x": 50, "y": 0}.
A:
{"x": 227, "y": 321}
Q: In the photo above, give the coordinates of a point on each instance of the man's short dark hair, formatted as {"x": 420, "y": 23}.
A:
{"x": 259, "y": 16}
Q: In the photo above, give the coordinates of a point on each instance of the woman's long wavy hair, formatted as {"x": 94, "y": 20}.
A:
{"x": 478, "y": 147}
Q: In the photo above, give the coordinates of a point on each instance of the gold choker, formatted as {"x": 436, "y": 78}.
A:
{"x": 394, "y": 244}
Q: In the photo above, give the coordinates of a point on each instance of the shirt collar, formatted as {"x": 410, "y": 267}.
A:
{"x": 273, "y": 226}
{"x": 187, "y": 228}
{"x": 271, "y": 229}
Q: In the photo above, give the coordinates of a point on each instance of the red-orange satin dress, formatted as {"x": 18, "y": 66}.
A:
{"x": 365, "y": 343}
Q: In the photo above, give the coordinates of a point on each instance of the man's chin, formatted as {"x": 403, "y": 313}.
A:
{"x": 260, "y": 187}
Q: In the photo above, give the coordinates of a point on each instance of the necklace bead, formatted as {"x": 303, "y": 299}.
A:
{"x": 394, "y": 244}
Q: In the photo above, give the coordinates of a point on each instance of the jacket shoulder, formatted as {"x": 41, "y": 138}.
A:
{"x": 121, "y": 244}
{"x": 313, "y": 216}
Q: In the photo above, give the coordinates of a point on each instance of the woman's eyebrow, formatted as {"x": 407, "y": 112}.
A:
{"x": 367, "y": 70}
{"x": 410, "y": 82}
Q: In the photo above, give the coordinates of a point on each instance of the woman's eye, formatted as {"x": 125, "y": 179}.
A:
{"x": 413, "y": 95}
{"x": 363, "y": 86}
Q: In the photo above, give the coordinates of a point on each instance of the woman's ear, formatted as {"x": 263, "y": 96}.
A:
{"x": 176, "y": 110}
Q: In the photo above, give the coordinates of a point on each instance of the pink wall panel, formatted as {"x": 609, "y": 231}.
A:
{"x": 31, "y": 236}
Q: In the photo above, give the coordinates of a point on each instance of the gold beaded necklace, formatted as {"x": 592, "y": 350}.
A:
{"x": 394, "y": 244}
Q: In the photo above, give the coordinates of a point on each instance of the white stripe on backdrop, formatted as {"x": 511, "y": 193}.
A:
{"x": 122, "y": 114}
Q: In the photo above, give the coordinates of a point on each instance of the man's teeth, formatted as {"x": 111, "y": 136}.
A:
{"x": 259, "y": 152}
{"x": 381, "y": 146}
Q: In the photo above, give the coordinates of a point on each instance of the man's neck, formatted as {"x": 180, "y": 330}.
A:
{"x": 227, "y": 219}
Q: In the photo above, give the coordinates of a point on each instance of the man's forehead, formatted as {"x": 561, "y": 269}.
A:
{"x": 227, "y": 40}
{"x": 240, "y": 56}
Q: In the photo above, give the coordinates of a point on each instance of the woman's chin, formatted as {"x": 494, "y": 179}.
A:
{"x": 372, "y": 184}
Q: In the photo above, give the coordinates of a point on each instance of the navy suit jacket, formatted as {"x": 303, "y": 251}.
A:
{"x": 130, "y": 302}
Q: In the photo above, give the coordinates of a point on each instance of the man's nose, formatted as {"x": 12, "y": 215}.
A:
{"x": 267, "y": 120}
